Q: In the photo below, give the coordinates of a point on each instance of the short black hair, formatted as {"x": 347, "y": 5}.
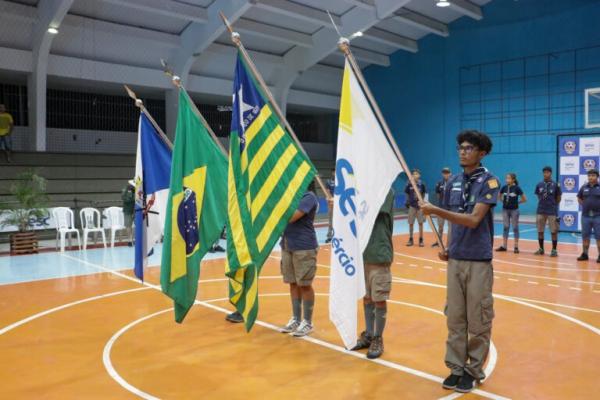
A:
{"x": 416, "y": 170}
{"x": 593, "y": 171}
{"x": 477, "y": 139}
{"x": 547, "y": 168}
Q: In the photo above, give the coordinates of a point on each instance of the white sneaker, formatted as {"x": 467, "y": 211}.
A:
{"x": 304, "y": 329}
{"x": 291, "y": 326}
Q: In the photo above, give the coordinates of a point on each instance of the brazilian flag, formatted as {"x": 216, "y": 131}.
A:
{"x": 196, "y": 208}
{"x": 268, "y": 174}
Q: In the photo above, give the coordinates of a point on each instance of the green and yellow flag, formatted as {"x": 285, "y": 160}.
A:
{"x": 268, "y": 174}
{"x": 196, "y": 208}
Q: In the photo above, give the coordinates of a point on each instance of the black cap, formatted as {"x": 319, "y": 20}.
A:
{"x": 593, "y": 171}
{"x": 445, "y": 170}
{"x": 547, "y": 168}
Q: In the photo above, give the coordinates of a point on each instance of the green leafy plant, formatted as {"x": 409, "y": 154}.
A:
{"x": 29, "y": 194}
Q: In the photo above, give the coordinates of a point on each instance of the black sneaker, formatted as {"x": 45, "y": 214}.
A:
{"x": 410, "y": 243}
{"x": 517, "y": 250}
{"x": 451, "y": 381}
{"x": 363, "y": 342}
{"x": 218, "y": 248}
{"x": 539, "y": 252}
{"x": 583, "y": 257}
{"x": 436, "y": 244}
{"x": 421, "y": 243}
{"x": 466, "y": 384}
{"x": 376, "y": 348}
{"x": 235, "y": 317}
{"x": 501, "y": 248}
{"x": 328, "y": 240}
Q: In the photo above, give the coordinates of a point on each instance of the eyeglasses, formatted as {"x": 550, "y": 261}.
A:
{"x": 468, "y": 149}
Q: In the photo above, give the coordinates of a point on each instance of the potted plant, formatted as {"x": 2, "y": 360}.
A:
{"x": 28, "y": 207}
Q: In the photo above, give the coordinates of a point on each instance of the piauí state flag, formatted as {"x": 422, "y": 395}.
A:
{"x": 196, "y": 209}
{"x": 152, "y": 171}
{"x": 268, "y": 174}
{"x": 365, "y": 169}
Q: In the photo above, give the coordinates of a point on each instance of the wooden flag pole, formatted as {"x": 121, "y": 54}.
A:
{"x": 344, "y": 45}
{"x": 140, "y": 104}
{"x": 177, "y": 83}
{"x": 235, "y": 38}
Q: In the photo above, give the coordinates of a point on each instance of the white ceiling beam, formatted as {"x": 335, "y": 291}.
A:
{"x": 297, "y": 11}
{"x": 391, "y": 39}
{"x": 367, "y": 56}
{"x": 467, "y": 8}
{"x": 273, "y": 33}
{"x": 167, "y": 8}
{"x": 366, "y": 4}
{"x": 422, "y": 22}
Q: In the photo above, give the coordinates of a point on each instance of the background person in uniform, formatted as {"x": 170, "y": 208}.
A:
{"x": 331, "y": 187}
{"x": 511, "y": 196}
{"x": 299, "y": 249}
{"x": 414, "y": 211}
{"x": 378, "y": 256}
{"x": 440, "y": 190}
{"x": 6, "y": 128}
{"x": 128, "y": 201}
{"x": 472, "y": 196}
{"x": 549, "y": 194}
{"x": 589, "y": 198}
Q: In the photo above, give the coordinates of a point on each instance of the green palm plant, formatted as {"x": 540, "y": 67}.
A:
{"x": 29, "y": 192}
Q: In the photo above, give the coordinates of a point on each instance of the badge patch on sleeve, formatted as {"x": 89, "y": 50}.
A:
{"x": 493, "y": 183}
{"x": 488, "y": 196}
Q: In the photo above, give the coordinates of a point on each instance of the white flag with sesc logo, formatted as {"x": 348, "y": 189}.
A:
{"x": 365, "y": 169}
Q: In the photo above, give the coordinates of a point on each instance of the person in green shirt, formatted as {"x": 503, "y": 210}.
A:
{"x": 128, "y": 198}
{"x": 377, "y": 257}
{"x": 6, "y": 127}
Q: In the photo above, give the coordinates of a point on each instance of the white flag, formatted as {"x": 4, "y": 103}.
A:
{"x": 365, "y": 169}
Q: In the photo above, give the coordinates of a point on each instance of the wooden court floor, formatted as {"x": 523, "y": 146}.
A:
{"x": 106, "y": 336}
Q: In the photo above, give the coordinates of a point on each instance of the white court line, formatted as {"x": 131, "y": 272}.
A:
{"x": 532, "y": 283}
{"x": 513, "y": 280}
{"x": 552, "y": 285}
{"x": 575, "y": 288}
{"x": 503, "y": 272}
{"x": 312, "y": 340}
{"x": 67, "y": 305}
{"x": 115, "y": 375}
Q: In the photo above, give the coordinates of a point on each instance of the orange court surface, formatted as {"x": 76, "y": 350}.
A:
{"x": 96, "y": 332}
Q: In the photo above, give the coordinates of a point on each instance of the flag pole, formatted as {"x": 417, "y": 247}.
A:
{"x": 176, "y": 80}
{"x": 140, "y": 104}
{"x": 344, "y": 45}
{"x": 235, "y": 38}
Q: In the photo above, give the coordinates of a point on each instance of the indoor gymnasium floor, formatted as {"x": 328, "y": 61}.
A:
{"x": 78, "y": 326}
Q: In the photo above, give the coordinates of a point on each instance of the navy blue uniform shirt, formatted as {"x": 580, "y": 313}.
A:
{"x": 510, "y": 196}
{"x": 462, "y": 193}
{"x": 591, "y": 199}
{"x": 301, "y": 235}
{"x": 411, "y": 196}
{"x": 548, "y": 193}
{"x": 440, "y": 190}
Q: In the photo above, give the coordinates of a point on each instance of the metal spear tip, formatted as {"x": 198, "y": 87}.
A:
{"x": 139, "y": 103}
{"x": 176, "y": 80}
{"x": 343, "y": 41}
{"x": 235, "y": 36}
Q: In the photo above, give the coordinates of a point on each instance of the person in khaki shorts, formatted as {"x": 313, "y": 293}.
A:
{"x": 414, "y": 212}
{"x": 549, "y": 195}
{"x": 377, "y": 257}
{"x": 299, "y": 248}
{"x": 472, "y": 196}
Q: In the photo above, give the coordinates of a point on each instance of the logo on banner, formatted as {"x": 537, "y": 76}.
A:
{"x": 347, "y": 195}
{"x": 569, "y": 183}
{"x": 569, "y": 219}
{"x": 589, "y": 163}
{"x": 570, "y": 146}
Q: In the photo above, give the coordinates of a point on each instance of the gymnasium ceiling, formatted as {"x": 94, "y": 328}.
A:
{"x": 104, "y": 43}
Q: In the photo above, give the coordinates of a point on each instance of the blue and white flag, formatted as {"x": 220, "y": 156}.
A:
{"x": 365, "y": 169}
{"x": 152, "y": 175}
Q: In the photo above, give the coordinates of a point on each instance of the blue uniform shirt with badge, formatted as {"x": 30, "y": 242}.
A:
{"x": 440, "y": 190}
{"x": 548, "y": 193}
{"x": 411, "y": 196}
{"x": 462, "y": 193}
{"x": 510, "y": 196}
{"x": 590, "y": 195}
{"x": 301, "y": 235}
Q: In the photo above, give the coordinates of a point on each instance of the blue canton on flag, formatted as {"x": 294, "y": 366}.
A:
{"x": 247, "y": 102}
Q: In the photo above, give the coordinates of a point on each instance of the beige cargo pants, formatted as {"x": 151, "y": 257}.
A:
{"x": 469, "y": 312}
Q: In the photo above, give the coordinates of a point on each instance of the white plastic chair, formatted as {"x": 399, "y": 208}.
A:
{"x": 115, "y": 221}
{"x": 65, "y": 225}
{"x": 90, "y": 223}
